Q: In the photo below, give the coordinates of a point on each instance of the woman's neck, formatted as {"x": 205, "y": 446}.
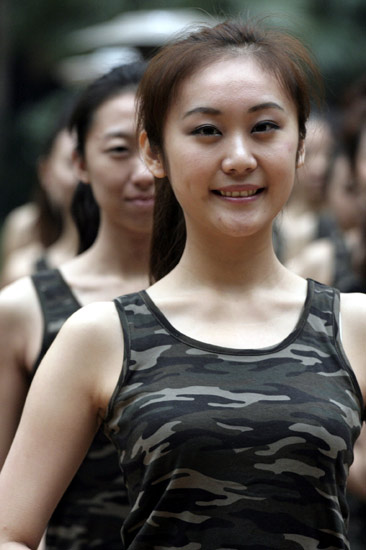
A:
{"x": 66, "y": 245}
{"x": 119, "y": 252}
{"x": 230, "y": 263}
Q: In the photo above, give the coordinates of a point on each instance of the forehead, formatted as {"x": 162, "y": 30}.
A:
{"x": 118, "y": 108}
{"x": 238, "y": 78}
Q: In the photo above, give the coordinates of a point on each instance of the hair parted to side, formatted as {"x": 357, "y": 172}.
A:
{"x": 277, "y": 52}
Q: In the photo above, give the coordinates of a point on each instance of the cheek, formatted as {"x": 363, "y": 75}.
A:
{"x": 289, "y": 154}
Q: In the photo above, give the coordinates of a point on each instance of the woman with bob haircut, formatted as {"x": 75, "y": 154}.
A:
{"x": 227, "y": 387}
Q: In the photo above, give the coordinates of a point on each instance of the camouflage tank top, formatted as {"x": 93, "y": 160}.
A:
{"x": 91, "y": 511}
{"x": 228, "y": 449}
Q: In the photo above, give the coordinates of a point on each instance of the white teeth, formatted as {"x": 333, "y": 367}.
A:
{"x": 238, "y": 193}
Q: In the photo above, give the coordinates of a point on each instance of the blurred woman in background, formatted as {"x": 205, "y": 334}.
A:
{"x": 46, "y": 223}
{"x": 33, "y": 309}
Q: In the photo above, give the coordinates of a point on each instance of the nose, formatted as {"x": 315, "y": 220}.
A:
{"x": 141, "y": 176}
{"x": 239, "y": 158}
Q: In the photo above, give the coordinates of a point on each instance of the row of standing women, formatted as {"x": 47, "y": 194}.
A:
{"x": 34, "y": 308}
{"x": 230, "y": 393}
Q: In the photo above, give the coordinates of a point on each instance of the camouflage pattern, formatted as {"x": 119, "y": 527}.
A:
{"x": 57, "y": 304}
{"x": 90, "y": 514}
{"x": 235, "y": 449}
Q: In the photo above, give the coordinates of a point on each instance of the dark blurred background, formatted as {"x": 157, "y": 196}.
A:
{"x": 50, "y": 47}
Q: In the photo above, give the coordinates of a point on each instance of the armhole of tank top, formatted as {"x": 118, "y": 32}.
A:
{"x": 126, "y": 356}
{"x": 43, "y": 313}
{"x": 337, "y": 332}
{"x": 60, "y": 279}
{"x": 56, "y": 276}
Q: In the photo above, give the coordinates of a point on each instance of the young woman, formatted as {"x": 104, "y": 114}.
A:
{"x": 304, "y": 219}
{"x": 51, "y": 228}
{"x": 227, "y": 393}
{"x": 333, "y": 259}
{"x": 32, "y": 310}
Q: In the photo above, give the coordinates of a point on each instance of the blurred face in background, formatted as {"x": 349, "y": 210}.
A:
{"x": 344, "y": 195}
{"x": 361, "y": 160}
{"x": 312, "y": 176}
{"x": 360, "y": 169}
{"x": 56, "y": 171}
{"x": 122, "y": 185}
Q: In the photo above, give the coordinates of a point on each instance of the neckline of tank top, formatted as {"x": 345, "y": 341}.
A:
{"x": 213, "y": 348}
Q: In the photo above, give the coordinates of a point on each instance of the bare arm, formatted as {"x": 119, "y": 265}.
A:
{"x": 353, "y": 308}
{"x": 357, "y": 476}
{"x": 65, "y": 404}
{"x": 16, "y": 309}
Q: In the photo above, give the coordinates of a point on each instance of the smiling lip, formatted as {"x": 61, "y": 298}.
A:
{"x": 238, "y": 193}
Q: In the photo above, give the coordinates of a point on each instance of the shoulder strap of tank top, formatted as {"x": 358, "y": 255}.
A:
{"x": 323, "y": 313}
{"x": 337, "y": 335}
{"x": 135, "y": 319}
{"x": 119, "y": 303}
{"x": 41, "y": 264}
{"x": 57, "y": 304}
{"x": 126, "y": 307}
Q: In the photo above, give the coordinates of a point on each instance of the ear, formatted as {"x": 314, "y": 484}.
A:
{"x": 151, "y": 158}
{"x": 79, "y": 167}
{"x": 300, "y": 160}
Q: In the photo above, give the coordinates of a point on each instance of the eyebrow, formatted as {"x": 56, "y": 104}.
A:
{"x": 212, "y": 111}
{"x": 264, "y": 106}
{"x": 204, "y": 110}
{"x": 116, "y": 133}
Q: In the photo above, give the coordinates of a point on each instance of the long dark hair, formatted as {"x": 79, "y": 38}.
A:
{"x": 86, "y": 215}
{"x": 121, "y": 79}
{"x": 49, "y": 225}
{"x": 277, "y": 52}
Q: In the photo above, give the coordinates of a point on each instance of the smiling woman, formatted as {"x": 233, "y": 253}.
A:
{"x": 234, "y": 154}
{"x": 283, "y": 61}
{"x": 225, "y": 386}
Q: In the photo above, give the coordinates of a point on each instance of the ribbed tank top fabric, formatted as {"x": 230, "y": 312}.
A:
{"x": 226, "y": 448}
{"x": 91, "y": 511}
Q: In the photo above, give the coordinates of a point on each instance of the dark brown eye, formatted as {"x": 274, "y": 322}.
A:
{"x": 265, "y": 126}
{"x": 206, "y": 130}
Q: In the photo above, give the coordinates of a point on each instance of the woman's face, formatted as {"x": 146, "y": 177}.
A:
{"x": 56, "y": 171}
{"x": 121, "y": 184}
{"x": 231, "y": 142}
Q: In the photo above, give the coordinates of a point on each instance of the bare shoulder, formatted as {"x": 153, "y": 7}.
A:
{"x": 353, "y": 325}
{"x": 22, "y": 216}
{"x": 18, "y": 303}
{"x": 20, "y": 263}
{"x": 97, "y": 319}
{"x": 21, "y": 325}
{"x": 353, "y": 308}
{"x": 90, "y": 347}
{"x": 315, "y": 261}
{"x": 17, "y": 292}
{"x": 19, "y": 227}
